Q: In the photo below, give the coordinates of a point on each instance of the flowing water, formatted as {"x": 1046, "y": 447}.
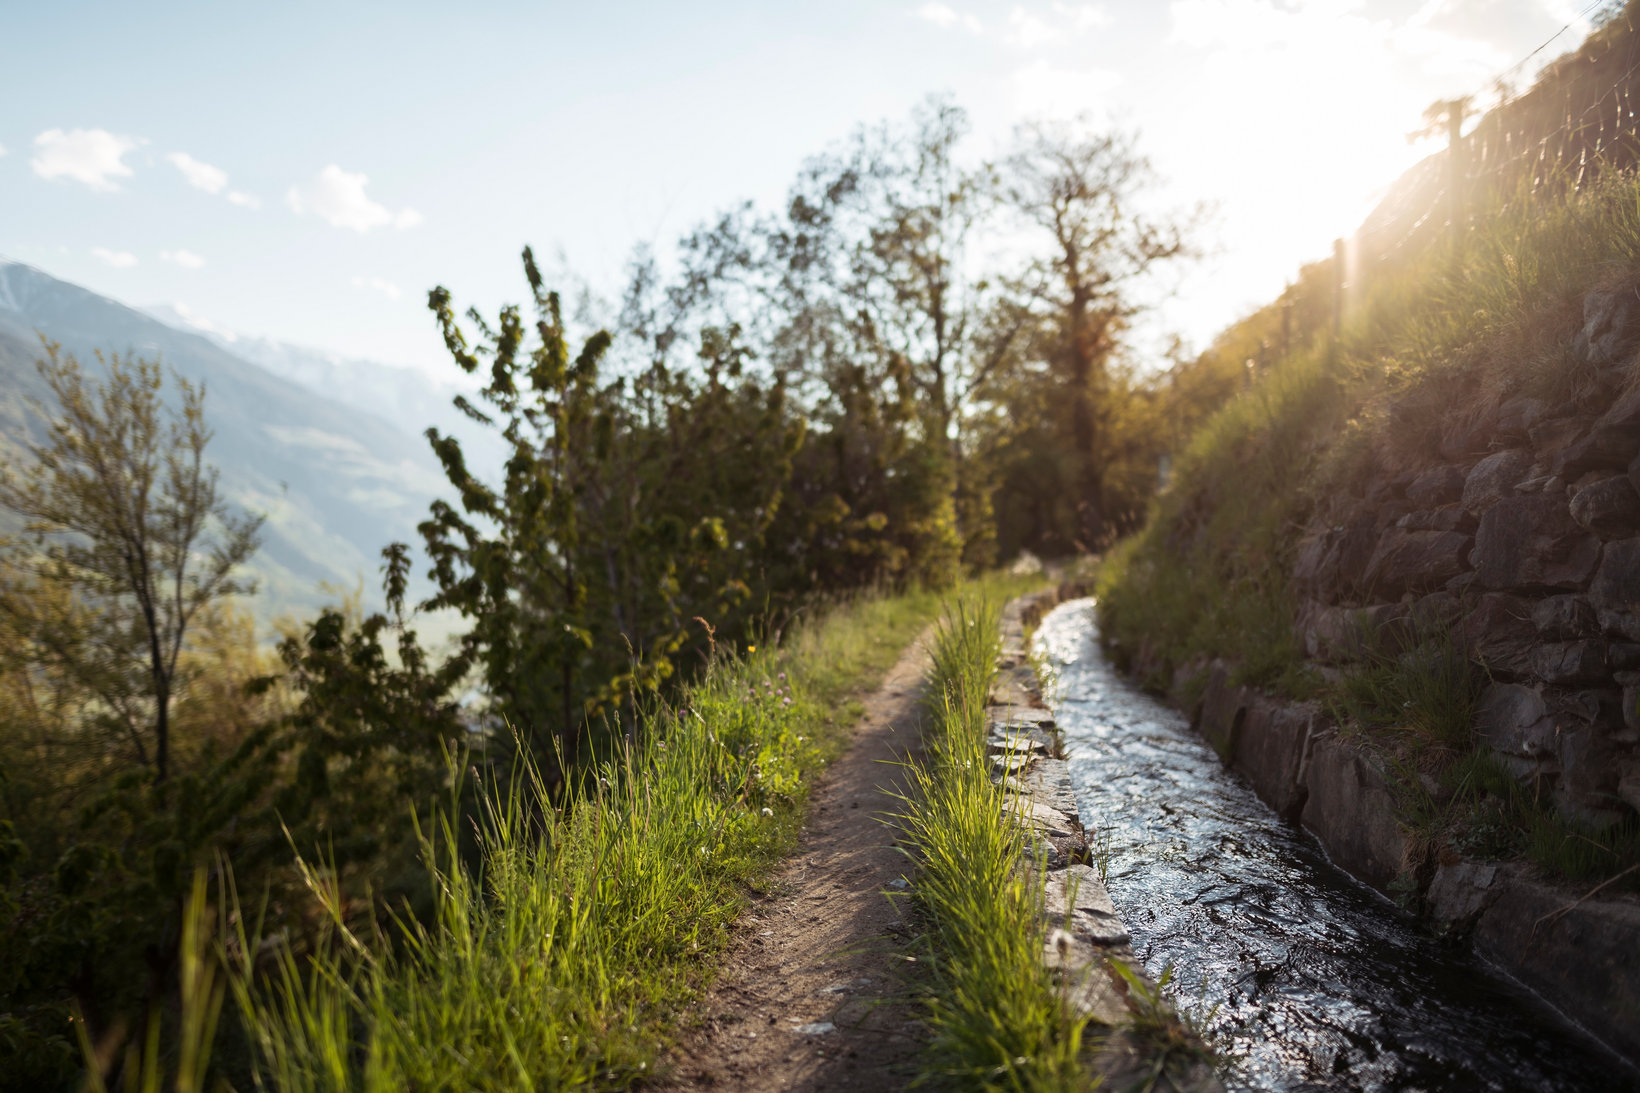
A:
{"x": 1319, "y": 982}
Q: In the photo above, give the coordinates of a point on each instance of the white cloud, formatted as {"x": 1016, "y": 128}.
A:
{"x": 92, "y": 156}
{"x": 1026, "y": 30}
{"x": 119, "y": 259}
{"x": 338, "y": 198}
{"x": 2, "y": 149}
{"x": 1082, "y": 17}
{"x": 187, "y": 259}
{"x": 1048, "y": 90}
{"x": 201, "y": 176}
{"x": 377, "y": 284}
{"x": 244, "y": 200}
{"x": 945, "y": 16}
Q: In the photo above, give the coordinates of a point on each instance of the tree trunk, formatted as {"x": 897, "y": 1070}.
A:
{"x": 1090, "y": 490}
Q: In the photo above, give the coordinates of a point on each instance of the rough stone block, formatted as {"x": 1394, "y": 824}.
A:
{"x": 1609, "y": 507}
{"x": 1437, "y": 486}
{"x": 1223, "y": 709}
{"x": 1499, "y": 633}
{"x": 1451, "y": 518}
{"x": 1562, "y": 428}
{"x": 1611, "y": 324}
{"x": 1531, "y": 541}
{"x": 1043, "y": 819}
{"x": 1272, "y": 749}
{"x": 1571, "y": 662}
{"x": 1311, "y": 572}
{"x": 1616, "y": 585}
{"x": 1622, "y": 624}
{"x": 1460, "y": 892}
{"x": 1495, "y": 477}
{"x": 1565, "y": 617}
{"x": 1351, "y": 809}
{"x": 1075, "y": 899}
{"x": 1415, "y": 561}
{"x": 1436, "y": 611}
{"x": 1517, "y": 416}
{"x": 1587, "y": 789}
{"x": 1581, "y": 956}
{"x": 1515, "y": 720}
{"x": 1049, "y": 782}
{"x": 1611, "y": 443}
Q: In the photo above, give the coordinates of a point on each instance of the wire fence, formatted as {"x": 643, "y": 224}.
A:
{"x": 1577, "y": 122}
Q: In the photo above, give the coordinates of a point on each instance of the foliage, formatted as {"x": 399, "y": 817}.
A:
{"x": 997, "y": 1018}
{"x": 122, "y": 510}
{"x": 626, "y": 511}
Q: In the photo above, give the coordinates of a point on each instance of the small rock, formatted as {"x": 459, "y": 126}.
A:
{"x": 1571, "y": 662}
{"x": 1609, "y": 507}
{"x": 1514, "y": 720}
{"x": 814, "y": 1028}
{"x": 1495, "y": 477}
{"x": 1611, "y": 323}
{"x": 1616, "y": 585}
{"x": 1620, "y": 623}
{"x": 1565, "y": 617}
{"x": 1499, "y": 633}
{"x": 1612, "y": 441}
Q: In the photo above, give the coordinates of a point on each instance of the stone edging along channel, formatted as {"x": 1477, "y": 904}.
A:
{"x": 1577, "y": 948}
{"x": 1085, "y": 932}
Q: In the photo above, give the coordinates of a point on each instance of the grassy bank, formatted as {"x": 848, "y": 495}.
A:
{"x": 1433, "y": 344}
{"x": 563, "y": 958}
{"x": 1432, "y": 340}
{"x": 998, "y": 1018}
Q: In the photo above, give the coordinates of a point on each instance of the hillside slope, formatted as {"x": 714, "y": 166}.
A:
{"x": 336, "y": 484}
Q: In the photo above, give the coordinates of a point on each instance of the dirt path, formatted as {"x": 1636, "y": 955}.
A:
{"x": 808, "y": 996}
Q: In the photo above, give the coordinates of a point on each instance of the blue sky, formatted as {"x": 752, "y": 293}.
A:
{"x": 307, "y": 171}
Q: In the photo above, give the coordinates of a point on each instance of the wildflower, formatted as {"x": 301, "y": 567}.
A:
{"x": 785, "y": 702}
{"x": 768, "y": 812}
{"x": 782, "y": 677}
{"x": 751, "y": 648}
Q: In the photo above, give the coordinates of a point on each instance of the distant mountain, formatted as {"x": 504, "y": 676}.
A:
{"x": 336, "y": 484}
{"x": 401, "y": 394}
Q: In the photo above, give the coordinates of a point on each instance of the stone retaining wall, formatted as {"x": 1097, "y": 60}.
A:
{"x": 1511, "y": 527}
{"x": 1517, "y": 527}
{"x": 1582, "y": 954}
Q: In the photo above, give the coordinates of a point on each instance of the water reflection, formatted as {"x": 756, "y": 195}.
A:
{"x": 1319, "y": 983}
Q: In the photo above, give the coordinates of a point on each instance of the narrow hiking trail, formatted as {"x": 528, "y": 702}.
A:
{"x": 812, "y": 992}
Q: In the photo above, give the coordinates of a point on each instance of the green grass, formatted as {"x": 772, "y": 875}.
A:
{"x": 1422, "y": 691}
{"x": 1430, "y": 340}
{"x": 999, "y": 1021}
{"x": 562, "y": 959}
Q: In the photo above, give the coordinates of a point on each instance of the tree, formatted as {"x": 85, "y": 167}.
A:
{"x": 123, "y": 512}
{"x": 628, "y": 507}
{"x": 1080, "y": 188}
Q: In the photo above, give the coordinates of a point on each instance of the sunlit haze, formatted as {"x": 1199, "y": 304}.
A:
{"x": 306, "y": 171}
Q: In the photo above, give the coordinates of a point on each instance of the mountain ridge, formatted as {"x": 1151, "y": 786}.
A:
{"x": 336, "y": 484}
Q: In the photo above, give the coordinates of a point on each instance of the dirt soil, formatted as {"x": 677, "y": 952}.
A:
{"x": 814, "y": 989}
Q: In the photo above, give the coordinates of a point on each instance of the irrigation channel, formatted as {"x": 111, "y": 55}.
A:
{"x": 1319, "y": 982}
